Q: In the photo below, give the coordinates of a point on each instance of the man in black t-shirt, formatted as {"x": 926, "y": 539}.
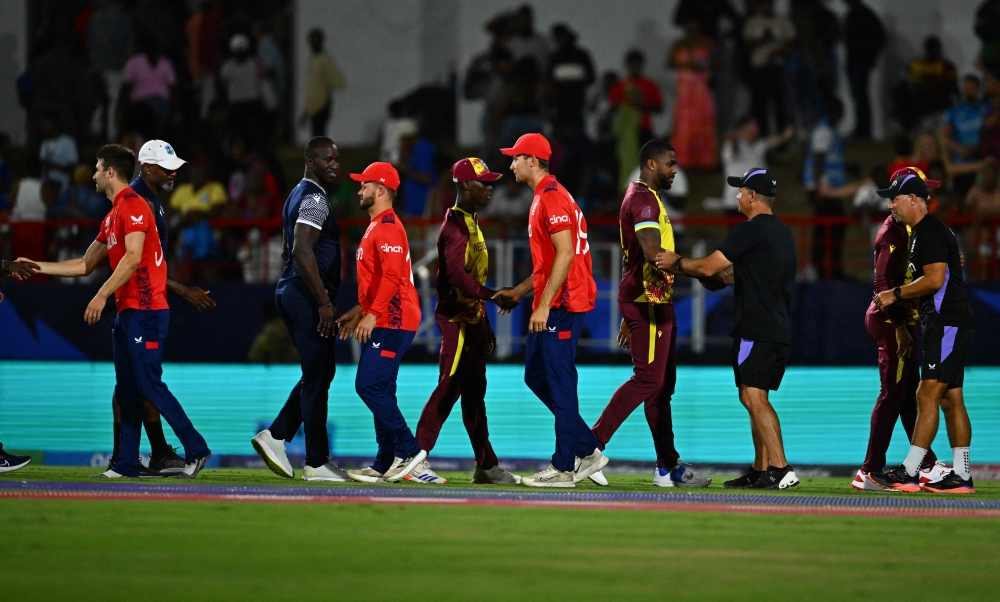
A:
{"x": 761, "y": 255}
{"x": 946, "y": 324}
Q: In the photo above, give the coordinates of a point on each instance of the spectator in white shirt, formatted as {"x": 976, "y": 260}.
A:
{"x": 241, "y": 78}
{"x": 744, "y": 149}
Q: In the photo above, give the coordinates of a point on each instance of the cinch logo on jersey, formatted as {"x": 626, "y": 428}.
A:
{"x": 391, "y": 248}
{"x": 137, "y": 220}
{"x": 559, "y": 219}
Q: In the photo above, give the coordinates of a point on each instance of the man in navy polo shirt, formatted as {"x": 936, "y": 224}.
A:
{"x": 304, "y": 296}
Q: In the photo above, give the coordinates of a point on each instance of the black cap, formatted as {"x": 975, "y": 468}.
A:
{"x": 756, "y": 179}
{"x": 906, "y": 184}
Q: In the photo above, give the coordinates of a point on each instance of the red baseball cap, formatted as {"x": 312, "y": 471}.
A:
{"x": 472, "y": 168}
{"x": 530, "y": 144}
{"x": 907, "y": 171}
{"x": 380, "y": 173}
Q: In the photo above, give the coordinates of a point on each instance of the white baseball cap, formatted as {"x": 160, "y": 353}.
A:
{"x": 158, "y": 152}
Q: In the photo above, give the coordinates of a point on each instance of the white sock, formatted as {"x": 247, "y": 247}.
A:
{"x": 913, "y": 460}
{"x": 961, "y": 468}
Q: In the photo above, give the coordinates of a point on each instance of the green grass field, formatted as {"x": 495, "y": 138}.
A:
{"x": 110, "y": 550}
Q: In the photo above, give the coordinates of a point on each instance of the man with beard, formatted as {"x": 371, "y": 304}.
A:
{"x": 158, "y": 165}
{"x": 645, "y": 299}
{"x": 128, "y": 240}
{"x": 304, "y": 298}
{"x": 466, "y": 336}
{"x": 384, "y": 322}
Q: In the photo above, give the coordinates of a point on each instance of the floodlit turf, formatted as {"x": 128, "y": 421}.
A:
{"x": 110, "y": 550}
{"x": 826, "y": 486}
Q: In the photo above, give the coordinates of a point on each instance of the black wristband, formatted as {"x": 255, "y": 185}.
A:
{"x": 330, "y": 303}
{"x": 677, "y": 265}
{"x": 897, "y": 293}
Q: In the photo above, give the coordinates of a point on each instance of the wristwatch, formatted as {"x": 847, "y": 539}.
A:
{"x": 677, "y": 265}
{"x": 896, "y": 293}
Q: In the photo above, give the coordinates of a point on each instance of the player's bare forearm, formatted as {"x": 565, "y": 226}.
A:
{"x": 196, "y": 297}
{"x": 649, "y": 240}
{"x": 702, "y": 268}
{"x": 126, "y": 268}
{"x": 96, "y": 255}
{"x": 71, "y": 268}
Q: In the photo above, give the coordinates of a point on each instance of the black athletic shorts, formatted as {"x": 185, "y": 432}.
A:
{"x": 945, "y": 349}
{"x": 759, "y": 364}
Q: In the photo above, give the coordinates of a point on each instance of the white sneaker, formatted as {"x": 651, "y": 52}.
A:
{"x": 326, "y": 472}
{"x": 495, "y": 476}
{"x": 423, "y": 474}
{"x": 400, "y": 468}
{"x": 934, "y": 473}
{"x": 861, "y": 482}
{"x": 599, "y": 478}
{"x": 109, "y": 474}
{"x": 191, "y": 470}
{"x": 550, "y": 477}
{"x": 589, "y": 465}
{"x": 365, "y": 475}
{"x": 272, "y": 451}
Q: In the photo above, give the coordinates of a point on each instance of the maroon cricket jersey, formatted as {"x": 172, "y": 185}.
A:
{"x": 892, "y": 249}
{"x": 462, "y": 265}
{"x": 643, "y": 282}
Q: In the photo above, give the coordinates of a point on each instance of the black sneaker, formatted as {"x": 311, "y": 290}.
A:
{"x": 744, "y": 481}
{"x": 147, "y": 473}
{"x": 167, "y": 464}
{"x": 10, "y": 462}
{"x": 951, "y": 483}
{"x": 896, "y": 479}
{"x": 776, "y": 478}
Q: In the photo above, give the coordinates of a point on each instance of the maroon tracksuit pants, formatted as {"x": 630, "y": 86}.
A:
{"x": 897, "y": 397}
{"x": 464, "y": 348}
{"x": 653, "y": 338}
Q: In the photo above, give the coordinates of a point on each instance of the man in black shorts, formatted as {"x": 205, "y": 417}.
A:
{"x": 946, "y": 324}
{"x": 761, "y": 252}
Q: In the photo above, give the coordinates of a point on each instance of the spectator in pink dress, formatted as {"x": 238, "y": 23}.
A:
{"x": 694, "y": 114}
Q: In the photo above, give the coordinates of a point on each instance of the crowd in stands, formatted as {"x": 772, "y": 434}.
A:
{"x": 212, "y": 77}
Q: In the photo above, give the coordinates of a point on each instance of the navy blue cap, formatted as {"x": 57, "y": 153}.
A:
{"x": 906, "y": 184}
{"x": 756, "y": 179}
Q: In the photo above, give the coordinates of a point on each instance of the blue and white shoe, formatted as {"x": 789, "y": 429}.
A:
{"x": 423, "y": 474}
{"x": 679, "y": 476}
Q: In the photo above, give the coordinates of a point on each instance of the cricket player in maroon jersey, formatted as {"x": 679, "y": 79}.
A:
{"x": 563, "y": 282}
{"x": 894, "y": 331}
{"x": 384, "y": 322}
{"x": 466, "y": 336}
{"x": 648, "y": 328}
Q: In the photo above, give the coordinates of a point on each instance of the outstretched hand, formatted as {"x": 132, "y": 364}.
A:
{"x": 665, "y": 259}
{"x": 347, "y": 323}
{"x": 23, "y": 269}
{"x": 506, "y": 300}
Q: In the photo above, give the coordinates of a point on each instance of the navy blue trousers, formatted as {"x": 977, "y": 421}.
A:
{"x": 139, "y": 338}
{"x": 376, "y": 385}
{"x": 550, "y": 373}
{"x": 307, "y": 404}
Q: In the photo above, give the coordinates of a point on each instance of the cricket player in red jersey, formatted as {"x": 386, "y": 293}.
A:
{"x": 648, "y": 328}
{"x": 384, "y": 322}
{"x": 563, "y": 282}
{"x": 466, "y": 336}
{"x": 894, "y": 331}
{"x": 139, "y": 284}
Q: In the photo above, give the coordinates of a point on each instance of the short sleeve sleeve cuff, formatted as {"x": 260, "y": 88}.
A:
{"x": 313, "y": 211}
